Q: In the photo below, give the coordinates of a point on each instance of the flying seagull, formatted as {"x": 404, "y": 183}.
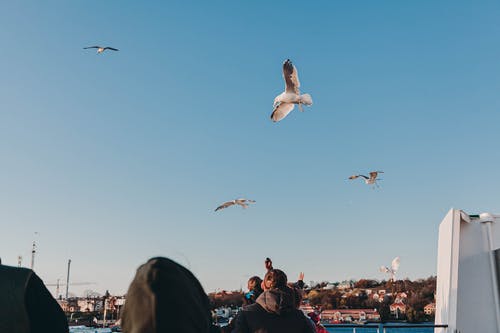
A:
{"x": 101, "y": 49}
{"x": 394, "y": 268}
{"x": 285, "y": 102}
{"x": 242, "y": 202}
{"x": 369, "y": 180}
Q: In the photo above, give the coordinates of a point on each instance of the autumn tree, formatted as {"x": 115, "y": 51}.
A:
{"x": 366, "y": 283}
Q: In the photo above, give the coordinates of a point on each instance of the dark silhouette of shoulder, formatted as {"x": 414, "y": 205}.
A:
{"x": 26, "y": 304}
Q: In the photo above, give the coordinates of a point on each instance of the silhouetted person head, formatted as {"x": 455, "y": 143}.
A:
{"x": 254, "y": 283}
{"x": 254, "y": 290}
{"x": 165, "y": 297}
{"x": 275, "y": 278}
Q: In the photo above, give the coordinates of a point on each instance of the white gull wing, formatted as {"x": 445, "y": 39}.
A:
{"x": 395, "y": 264}
{"x": 243, "y": 200}
{"x": 281, "y": 111}
{"x": 384, "y": 269}
{"x": 225, "y": 205}
{"x": 356, "y": 176}
{"x": 292, "y": 83}
{"x": 242, "y": 204}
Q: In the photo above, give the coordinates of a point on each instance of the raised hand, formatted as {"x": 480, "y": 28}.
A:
{"x": 268, "y": 263}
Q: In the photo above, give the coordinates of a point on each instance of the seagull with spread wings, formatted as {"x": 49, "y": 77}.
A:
{"x": 101, "y": 49}
{"x": 285, "y": 102}
{"x": 393, "y": 269}
{"x": 372, "y": 180}
{"x": 242, "y": 202}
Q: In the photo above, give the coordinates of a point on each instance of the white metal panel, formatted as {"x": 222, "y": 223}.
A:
{"x": 476, "y": 307}
{"x": 467, "y": 282}
{"x": 446, "y": 301}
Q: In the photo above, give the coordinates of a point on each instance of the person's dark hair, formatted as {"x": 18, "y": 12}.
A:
{"x": 165, "y": 297}
{"x": 277, "y": 278}
{"x": 254, "y": 290}
{"x": 254, "y": 283}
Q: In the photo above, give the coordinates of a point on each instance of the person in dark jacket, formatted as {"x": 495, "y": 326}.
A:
{"x": 26, "y": 306}
{"x": 274, "y": 310}
{"x": 254, "y": 291}
{"x": 166, "y": 297}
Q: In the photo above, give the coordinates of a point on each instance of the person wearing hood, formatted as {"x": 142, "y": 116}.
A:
{"x": 26, "y": 306}
{"x": 274, "y": 310}
{"x": 166, "y": 297}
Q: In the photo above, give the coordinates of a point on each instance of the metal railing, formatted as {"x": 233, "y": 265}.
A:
{"x": 382, "y": 328}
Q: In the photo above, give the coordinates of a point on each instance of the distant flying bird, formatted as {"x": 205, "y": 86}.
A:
{"x": 285, "y": 102}
{"x": 369, "y": 180}
{"x": 242, "y": 202}
{"x": 394, "y": 268}
{"x": 101, "y": 49}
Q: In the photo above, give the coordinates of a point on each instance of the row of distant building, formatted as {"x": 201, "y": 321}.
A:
{"x": 83, "y": 304}
{"x": 114, "y": 303}
{"x": 97, "y": 304}
{"x": 360, "y": 315}
{"x": 398, "y": 307}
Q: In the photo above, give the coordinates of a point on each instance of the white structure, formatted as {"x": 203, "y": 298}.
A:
{"x": 467, "y": 297}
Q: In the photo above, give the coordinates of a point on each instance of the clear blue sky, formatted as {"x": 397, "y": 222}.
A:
{"x": 118, "y": 157}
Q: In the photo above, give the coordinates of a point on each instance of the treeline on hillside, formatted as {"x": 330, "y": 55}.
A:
{"x": 361, "y": 294}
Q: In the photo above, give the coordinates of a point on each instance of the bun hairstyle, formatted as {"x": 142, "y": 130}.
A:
{"x": 277, "y": 279}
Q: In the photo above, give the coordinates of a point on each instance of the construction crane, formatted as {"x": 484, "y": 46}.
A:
{"x": 33, "y": 252}
{"x": 67, "y": 284}
{"x": 58, "y": 285}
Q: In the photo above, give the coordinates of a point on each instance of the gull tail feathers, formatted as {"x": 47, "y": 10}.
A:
{"x": 306, "y": 99}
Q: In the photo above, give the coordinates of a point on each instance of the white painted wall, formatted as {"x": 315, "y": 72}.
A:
{"x": 467, "y": 282}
